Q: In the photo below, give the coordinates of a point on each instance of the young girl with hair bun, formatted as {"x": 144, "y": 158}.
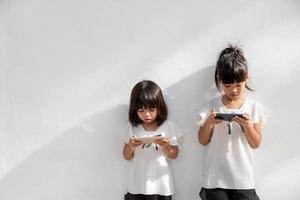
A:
{"x": 230, "y": 129}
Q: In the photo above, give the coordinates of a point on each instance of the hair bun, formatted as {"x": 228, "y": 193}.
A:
{"x": 238, "y": 51}
{"x": 231, "y": 50}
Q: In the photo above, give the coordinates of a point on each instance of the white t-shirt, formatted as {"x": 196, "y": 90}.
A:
{"x": 150, "y": 172}
{"x": 228, "y": 158}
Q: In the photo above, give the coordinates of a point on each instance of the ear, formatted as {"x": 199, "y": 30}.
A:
{"x": 247, "y": 78}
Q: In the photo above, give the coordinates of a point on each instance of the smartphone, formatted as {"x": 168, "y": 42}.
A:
{"x": 149, "y": 139}
{"x": 227, "y": 116}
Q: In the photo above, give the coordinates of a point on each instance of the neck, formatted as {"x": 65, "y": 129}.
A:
{"x": 233, "y": 103}
{"x": 150, "y": 127}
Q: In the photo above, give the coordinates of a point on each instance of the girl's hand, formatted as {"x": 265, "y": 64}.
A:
{"x": 205, "y": 132}
{"x": 252, "y": 130}
{"x": 163, "y": 142}
{"x": 169, "y": 150}
{"x": 243, "y": 121}
{"x": 134, "y": 143}
{"x": 128, "y": 150}
{"x": 211, "y": 119}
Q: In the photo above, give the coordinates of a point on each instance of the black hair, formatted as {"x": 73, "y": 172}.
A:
{"x": 149, "y": 95}
{"x": 231, "y": 67}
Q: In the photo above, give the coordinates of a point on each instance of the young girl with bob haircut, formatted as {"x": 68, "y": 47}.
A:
{"x": 228, "y": 157}
{"x": 150, "y": 175}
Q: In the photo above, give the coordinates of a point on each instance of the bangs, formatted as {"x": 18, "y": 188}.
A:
{"x": 147, "y": 100}
{"x": 230, "y": 74}
{"x": 147, "y": 94}
{"x": 231, "y": 67}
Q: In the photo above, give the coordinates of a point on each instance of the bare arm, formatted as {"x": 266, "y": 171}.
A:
{"x": 169, "y": 150}
{"x": 252, "y": 131}
{"x": 128, "y": 149}
{"x": 128, "y": 152}
{"x": 205, "y": 131}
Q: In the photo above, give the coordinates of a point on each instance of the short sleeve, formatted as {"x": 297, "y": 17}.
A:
{"x": 203, "y": 114}
{"x": 176, "y": 134}
{"x": 259, "y": 114}
{"x": 127, "y": 133}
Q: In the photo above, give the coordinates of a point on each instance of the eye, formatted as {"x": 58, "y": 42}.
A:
{"x": 152, "y": 108}
{"x": 140, "y": 110}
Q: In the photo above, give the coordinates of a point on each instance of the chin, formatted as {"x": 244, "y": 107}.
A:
{"x": 235, "y": 97}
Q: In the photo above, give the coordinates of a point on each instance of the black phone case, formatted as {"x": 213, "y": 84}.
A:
{"x": 227, "y": 116}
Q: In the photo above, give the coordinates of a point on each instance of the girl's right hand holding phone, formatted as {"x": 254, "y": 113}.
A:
{"x": 211, "y": 120}
{"x": 134, "y": 143}
{"x": 205, "y": 131}
{"x": 129, "y": 148}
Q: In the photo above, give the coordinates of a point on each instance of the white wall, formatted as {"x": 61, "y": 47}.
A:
{"x": 67, "y": 68}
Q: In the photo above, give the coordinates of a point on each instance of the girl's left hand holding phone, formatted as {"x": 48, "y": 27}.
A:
{"x": 243, "y": 121}
{"x": 169, "y": 150}
{"x": 163, "y": 142}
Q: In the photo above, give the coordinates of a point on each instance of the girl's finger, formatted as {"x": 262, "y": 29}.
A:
{"x": 246, "y": 116}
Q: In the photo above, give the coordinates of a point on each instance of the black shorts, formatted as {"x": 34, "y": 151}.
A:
{"x": 130, "y": 196}
{"x": 227, "y": 194}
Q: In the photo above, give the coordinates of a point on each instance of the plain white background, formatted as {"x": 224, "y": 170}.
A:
{"x": 67, "y": 68}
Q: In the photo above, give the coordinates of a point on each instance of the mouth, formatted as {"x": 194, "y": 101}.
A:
{"x": 234, "y": 94}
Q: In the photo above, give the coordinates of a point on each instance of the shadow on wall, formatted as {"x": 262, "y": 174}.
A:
{"x": 184, "y": 100}
{"x": 85, "y": 162}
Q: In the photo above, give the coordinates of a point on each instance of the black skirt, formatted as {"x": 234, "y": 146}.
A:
{"x": 130, "y": 196}
{"x": 223, "y": 194}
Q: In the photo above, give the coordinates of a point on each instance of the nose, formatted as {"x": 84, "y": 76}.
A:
{"x": 234, "y": 89}
{"x": 147, "y": 113}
